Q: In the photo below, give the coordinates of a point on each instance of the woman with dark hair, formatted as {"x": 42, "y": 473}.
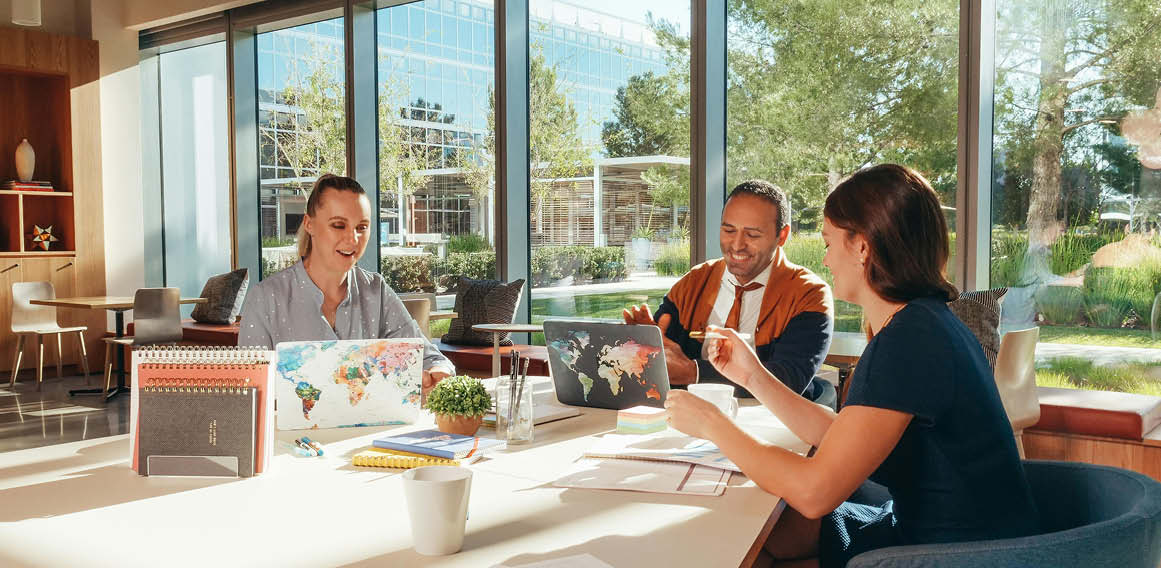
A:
{"x": 922, "y": 417}
{"x": 326, "y": 295}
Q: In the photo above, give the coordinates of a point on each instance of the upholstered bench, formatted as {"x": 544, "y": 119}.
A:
{"x": 1099, "y": 427}
{"x": 196, "y": 333}
{"x": 477, "y": 360}
{"x": 1098, "y": 413}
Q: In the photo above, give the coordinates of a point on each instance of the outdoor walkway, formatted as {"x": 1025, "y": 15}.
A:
{"x": 1098, "y": 354}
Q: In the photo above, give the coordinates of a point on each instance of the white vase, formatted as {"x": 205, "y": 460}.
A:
{"x": 25, "y": 160}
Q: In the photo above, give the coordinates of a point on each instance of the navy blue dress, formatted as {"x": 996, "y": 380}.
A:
{"x": 955, "y": 475}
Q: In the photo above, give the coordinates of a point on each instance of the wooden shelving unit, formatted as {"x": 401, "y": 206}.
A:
{"x": 49, "y": 94}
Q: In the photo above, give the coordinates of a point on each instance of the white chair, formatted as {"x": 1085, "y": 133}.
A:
{"x": 30, "y": 319}
{"x": 156, "y": 320}
{"x": 1016, "y": 380}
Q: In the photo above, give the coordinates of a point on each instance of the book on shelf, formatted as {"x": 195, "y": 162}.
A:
{"x": 379, "y": 457}
{"x": 437, "y": 444}
{"x": 13, "y": 185}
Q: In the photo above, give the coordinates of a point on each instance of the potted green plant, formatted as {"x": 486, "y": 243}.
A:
{"x": 459, "y": 404}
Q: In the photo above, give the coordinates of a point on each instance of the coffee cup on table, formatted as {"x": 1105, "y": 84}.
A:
{"x": 437, "y": 503}
{"x": 721, "y": 396}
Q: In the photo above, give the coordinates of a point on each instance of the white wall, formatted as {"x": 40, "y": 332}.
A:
{"x": 120, "y": 150}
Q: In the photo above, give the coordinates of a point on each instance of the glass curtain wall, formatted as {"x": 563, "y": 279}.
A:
{"x": 195, "y": 166}
{"x": 436, "y": 145}
{"x": 1076, "y": 187}
{"x": 817, "y": 90}
{"x": 302, "y": 131}
{"x": 609, "y": 117}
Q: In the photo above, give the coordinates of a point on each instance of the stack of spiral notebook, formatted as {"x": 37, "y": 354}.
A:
{"x": 201, "y": 411}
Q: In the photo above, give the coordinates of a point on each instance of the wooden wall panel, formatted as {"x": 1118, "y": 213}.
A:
{"x": 1137, "y": 456}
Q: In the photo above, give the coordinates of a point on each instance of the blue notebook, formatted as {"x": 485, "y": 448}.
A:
{"x": 436, "y": 443}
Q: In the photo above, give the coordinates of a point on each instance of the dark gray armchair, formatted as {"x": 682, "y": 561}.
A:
{"x": 1095, "y": 516}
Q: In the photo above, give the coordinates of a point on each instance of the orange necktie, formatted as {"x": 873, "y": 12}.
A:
{"x": 736, "y": 311}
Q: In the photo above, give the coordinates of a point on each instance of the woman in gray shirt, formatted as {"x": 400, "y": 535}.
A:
{"x": 326, "y": 295}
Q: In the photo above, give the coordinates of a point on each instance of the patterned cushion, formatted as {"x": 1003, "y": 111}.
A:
{"x": 224, "y": 293}
{"x": 980, "y": 312}
{"x": 482, "y": 301}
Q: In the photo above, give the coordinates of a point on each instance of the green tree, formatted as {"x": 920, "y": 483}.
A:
{"x": 650, "y": 117}
{"x": 1066, "y": 69}
{"x": 820, "y": 89}
{"x": 555, "y": 150}
{"x": 313, "y": 139}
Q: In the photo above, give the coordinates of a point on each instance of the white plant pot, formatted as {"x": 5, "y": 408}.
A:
{"x": 25, "y": 160}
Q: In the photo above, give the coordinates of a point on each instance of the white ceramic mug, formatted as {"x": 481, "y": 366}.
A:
{"x": 722, "y": 396}
{"x": 437, "y": 502}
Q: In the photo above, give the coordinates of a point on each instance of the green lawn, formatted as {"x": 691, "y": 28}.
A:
{"x": 1098, "y": 336}
{"x": 1077, "y": 373}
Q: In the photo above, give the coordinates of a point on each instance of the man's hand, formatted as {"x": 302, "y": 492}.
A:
{"x": 682, "y": 369}
{"x": 638, "y": 315}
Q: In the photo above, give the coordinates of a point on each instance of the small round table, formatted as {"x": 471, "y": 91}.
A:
{"x": 498, "y": 329}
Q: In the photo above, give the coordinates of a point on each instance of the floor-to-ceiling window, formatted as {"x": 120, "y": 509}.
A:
{"x": 436, "y": 75}
{"x": 195, "y": 166}
{"x": 302, "y": 128}
{"x": 609, "y": 122}
{"x": 1076, "y": 187}
{"x": 817, "y": 90}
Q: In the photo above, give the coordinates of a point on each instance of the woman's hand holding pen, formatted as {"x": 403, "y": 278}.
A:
{"x": 732, "y": 356}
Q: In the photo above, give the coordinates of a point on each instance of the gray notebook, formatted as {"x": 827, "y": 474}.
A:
{"x": 180, "y": 424}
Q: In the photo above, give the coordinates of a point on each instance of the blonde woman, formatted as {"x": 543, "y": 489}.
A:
{"x": 326, "y": 295}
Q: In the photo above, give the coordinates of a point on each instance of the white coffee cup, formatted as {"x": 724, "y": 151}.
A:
{"x": 721, "y": 396}
{"x": 437, "y": 502}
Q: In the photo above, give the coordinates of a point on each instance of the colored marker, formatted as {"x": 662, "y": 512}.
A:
{"x": 303, "y": 445}
{"x": 317, "y": 447}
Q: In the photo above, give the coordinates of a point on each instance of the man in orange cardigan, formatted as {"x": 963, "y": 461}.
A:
{"x": 786, "y": 309}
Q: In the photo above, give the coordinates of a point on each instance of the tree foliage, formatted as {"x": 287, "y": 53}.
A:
{"x": 313, "y": 140}
{"x": 1067, "y": 72}
{"x": 555, "y": 149}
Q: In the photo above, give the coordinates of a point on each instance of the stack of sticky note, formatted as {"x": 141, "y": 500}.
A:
{"x": 641, "y": 420}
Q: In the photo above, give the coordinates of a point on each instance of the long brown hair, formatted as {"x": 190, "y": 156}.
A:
{"x": 323, "y": 183}
{"x": 895, "y": 209}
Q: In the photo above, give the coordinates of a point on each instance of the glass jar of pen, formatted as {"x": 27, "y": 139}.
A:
{"x": 514, "y": 403}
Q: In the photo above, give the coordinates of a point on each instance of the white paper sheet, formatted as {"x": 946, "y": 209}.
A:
{"x": 646, "y": 476}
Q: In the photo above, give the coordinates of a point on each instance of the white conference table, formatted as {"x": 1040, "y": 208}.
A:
{"x": 79, "y": 504}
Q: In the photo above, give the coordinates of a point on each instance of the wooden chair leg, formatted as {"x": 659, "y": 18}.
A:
{"x": 19, "y": 355}
{"x": 84, "y": 356}
{"x": 1020, "y": 443}
{"x": 59, "y": 358}
{"x": 39, "y": 361}
{"x": 108, "y": 365}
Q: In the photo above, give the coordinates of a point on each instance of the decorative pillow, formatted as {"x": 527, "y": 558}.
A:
{"x": 482, "y": 301}
{"x": 980, "y": 312}
{"x": 224, "y": 293}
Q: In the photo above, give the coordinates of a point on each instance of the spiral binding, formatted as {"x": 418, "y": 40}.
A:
{"x": 200, "y": 357}
{"x": 198, "y": 389}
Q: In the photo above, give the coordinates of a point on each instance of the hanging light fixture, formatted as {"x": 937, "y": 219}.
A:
{"x": 26, "y": 12}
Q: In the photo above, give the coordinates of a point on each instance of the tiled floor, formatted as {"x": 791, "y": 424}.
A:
{"x": 30, "y": 419}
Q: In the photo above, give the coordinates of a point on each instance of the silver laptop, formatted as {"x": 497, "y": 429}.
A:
{"x": 606, "y": 365}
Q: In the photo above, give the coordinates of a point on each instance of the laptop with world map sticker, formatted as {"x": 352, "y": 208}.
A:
{"x": 358, "y": 382}
{"x": 606, "y": 365}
